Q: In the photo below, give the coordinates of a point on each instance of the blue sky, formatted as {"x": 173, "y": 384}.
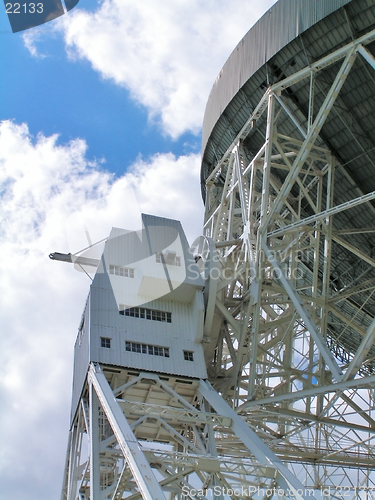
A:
{"x": 100, "y": 119}
{"x": 69, "y": 98}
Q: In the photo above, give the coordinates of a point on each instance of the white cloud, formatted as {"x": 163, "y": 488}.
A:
{"x": 172, "y": 185}
{"x": 41, "y": 185}
{"x": 167, "y": 54}
{"x": 30, "y": 39}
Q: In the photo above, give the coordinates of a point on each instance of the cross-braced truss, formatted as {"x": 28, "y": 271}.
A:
{"x": 155, "y": 437}
{"x": 290, "y": 330}
{"x": 288, "y": 335}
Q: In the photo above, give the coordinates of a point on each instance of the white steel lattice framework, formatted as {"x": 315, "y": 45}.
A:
{"x": 273, "y": 227}
{"x": 280, "y": 411}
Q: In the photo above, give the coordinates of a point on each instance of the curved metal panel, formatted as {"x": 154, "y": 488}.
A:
{"x": 279, "y": 26}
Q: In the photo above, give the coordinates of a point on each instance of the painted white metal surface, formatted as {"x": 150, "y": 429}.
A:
{"x": 150, "y": 284}
{"x": 250, "y": 439}
{"x": 276, "y": 226}
{"x": 122, "y": 398}
{"x": 144, "y": 477}
{"x": 157, "y": 428}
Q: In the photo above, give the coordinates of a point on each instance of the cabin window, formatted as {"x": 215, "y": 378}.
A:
{"x": 105, "y": 342}
{"x": 144, "y": 313}
{"x": 126, "y": 272}
{"x": 153, "y": 350}
{"x": 188, "y": 355}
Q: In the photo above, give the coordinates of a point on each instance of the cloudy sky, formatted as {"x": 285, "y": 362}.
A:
{"x": 101, "y": 114}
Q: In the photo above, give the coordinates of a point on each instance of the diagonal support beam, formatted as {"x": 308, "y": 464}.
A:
{"x": 122, "y": 482}
{"x": 148, "y": 485}
{"x": 366, "y": 55}
{"x": 94, "y": 444}
{"x": 249, "y": 438}
{"x": 356, "y": 251}
{"x": 304, "y": 314}
{"x": 312, "y": 135}
{"x": 287, "y": 82}
{"x": 326, "y": 61}
{"x": 357, "y": 383}
{"x": 322, "y": 215}
{"x": 352, "y": 370}
{"x": 361, "y": 352}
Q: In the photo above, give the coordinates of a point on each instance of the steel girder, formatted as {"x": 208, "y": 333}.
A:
{"x": 290, "y": 402}
{"x": 188, "y": 448}
{"x": 290, "y": 349}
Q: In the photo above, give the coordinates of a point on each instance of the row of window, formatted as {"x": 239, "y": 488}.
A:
{"x": 127, "y": 272}
{"x": 153, "y": 350}
{"x": 144, "y": 313}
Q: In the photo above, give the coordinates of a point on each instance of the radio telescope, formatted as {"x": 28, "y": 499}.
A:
{"x": 250, "y": 374}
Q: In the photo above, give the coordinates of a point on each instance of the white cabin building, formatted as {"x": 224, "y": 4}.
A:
{"x": 145, "y": 307}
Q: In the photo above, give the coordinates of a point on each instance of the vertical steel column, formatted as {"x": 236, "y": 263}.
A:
{"x": 142, "y": 472}
{"x": 256, "y": 446}
{"x": 260, "y": 258}
{"x": 94, "y": 445}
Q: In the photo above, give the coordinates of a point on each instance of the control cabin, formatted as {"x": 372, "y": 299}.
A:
{"x": 145, "y": 307}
